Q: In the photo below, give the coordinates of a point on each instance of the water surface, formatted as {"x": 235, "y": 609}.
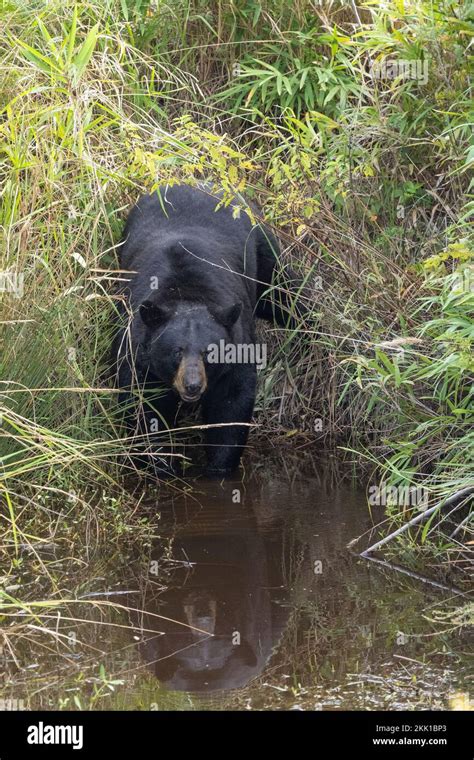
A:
{"x": 246, "y": 598}
{"x": 268, "y": 607}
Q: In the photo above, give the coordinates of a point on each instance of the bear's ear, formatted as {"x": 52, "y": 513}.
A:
{"x": 153, "y": 315}
{"x": 228, "y": 316}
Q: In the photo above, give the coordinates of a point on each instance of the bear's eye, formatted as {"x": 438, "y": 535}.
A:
{"x": 178, "y": 352}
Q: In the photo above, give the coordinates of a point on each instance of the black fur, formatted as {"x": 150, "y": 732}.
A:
{"x": 212, "y": 271}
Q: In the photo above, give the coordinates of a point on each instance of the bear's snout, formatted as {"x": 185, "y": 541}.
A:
{"x": 190, "y": 380}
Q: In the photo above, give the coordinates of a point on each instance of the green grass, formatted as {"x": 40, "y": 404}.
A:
{"x": 367, "y": 181}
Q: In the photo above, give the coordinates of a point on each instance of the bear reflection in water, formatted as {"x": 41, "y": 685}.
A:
{"x": 238, "y": 570}
{"x": 224, "y": 602}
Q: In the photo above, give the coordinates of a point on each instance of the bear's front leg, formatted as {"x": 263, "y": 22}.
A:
{"x": 156, "y": 415}
{"x": 231, "y": 400}
{"x": 148, "y": 415}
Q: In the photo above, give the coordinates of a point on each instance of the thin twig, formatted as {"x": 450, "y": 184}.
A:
{"x": 460, "y": 526}
{"x": 419, "y": 518}
{"x": 416, "y": 576}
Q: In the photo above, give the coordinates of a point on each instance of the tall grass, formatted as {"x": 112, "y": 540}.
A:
{"x": 366, "y": 179}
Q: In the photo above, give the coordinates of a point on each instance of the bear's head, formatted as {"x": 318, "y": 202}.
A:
{"x": 178, "y": 342}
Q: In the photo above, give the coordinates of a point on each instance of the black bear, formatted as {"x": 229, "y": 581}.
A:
{"x": 198, "y": 277}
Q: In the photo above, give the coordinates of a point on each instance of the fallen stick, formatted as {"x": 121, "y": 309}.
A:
{"x": 460, "y": 526}
{"x": 416, "y": 576}
{"x": 419, "y": 518}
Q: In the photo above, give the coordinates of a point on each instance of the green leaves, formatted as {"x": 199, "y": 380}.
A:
{"x": 306, "y": 72}
{"x": 83, "y": 56}
{"x": 71, "y": 38}
{"x": 47, "y": 65}
{"x": 64, "y": 62}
